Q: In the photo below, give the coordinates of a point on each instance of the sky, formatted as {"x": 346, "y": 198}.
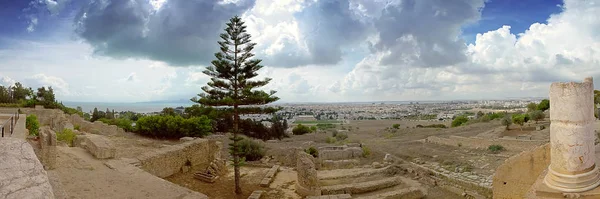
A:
{"x": 314, "y": 50}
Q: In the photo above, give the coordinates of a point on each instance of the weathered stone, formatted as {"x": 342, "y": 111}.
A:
{"x": 99, "y": 146}
{"x": 185, "y": 139}
{"x": 388, "y": 158}
{"x": 308, "y": 184}
{"x": 21, "y": 173}
{"x": 572, "y": 166}
{"x": 376, "y": 165}
{"x": 256, "y": 194}
{"x": 170, "y": 160}
{"x": 48, "y": 147}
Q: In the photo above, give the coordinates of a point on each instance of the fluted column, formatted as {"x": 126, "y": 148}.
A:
{"x": 572, "y": 165}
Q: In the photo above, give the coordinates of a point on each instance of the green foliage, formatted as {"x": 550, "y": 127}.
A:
{"x": 300, "y": 130}
{"x": 77, "y": 127}
{"x": 520, "y": 119}
{"x": 324, "y": 126}
{"x": 313, "y": 129}
{"x": 537, "y": 115}
{"x": 544, "y": 105}
{"x": 494, "y": 116}
{"x": 173, "y": 126}
{"x": 66, "y": 135}
{"x": 485, "y": 118}
{"x": 312, "y": 151}
{"x": 168, "y": 111}
{"x": 532, "y": 107}
{"x": 460, "y": 120}
{"x": 495, "y": 148}
{"x": 32, "y": 124}
{"x": 233, "y": 83}
{"x": 331, "y": 140}
{"x": 341, "y": 136}
{"x": 432, "y": 126}
{"x": 366, "y": 151}
{"x": 396, "y": 126}
{"x": 506, "y": 121}
{"x": 479, "y": 114}
{"x": 125, "y": 124}
{"x": 251, "y": 150}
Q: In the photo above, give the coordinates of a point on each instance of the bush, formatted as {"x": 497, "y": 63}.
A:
{"x": 324, "y": 126}
{"x": 396, "y": 126}
{"x": 32, "y": 124}
{"x": 125, "y": 124}
{"x": 312, "y": 151}
{"x": 66, "y": 135}
{"x": 331, "y": 140}
{"x": 485, "y": 118}
{"x": 494, "y": 116}
{"x": 495, "y": 148}
{"x": 251, "y": 150}
{"x": 300, "y": 130}
{"x": 173, "y": 126}
{"x": 432, "y": 126}
{"x": 460, "y": 120}
{"x": 341, "y": 136}
{"x": 506, "y": 121}
{"x": 77, "y": 127}
{"x": 366, "y": 151}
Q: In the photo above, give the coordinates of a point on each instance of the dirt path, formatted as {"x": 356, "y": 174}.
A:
{"x": 83, "y": 176}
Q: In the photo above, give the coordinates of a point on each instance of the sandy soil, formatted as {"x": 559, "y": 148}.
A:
{"x": 224, "y": 186}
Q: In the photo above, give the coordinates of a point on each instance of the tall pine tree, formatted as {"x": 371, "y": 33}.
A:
{"x": 232, "y": 86}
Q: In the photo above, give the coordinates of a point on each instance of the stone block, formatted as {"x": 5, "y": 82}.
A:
{"x": 256, "y": 194}
{"x": 185, "y": 139}
{"x": 170, "y": 159}
{"x": 100, "y": 147}
{"x": 21, "y": 173}
{"x": 48, "y": 147}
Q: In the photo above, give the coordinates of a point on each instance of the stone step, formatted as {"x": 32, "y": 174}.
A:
{"x": 361, "y": 187}
{"x": 351, "y": 173}
{"x": 404, "y": 193}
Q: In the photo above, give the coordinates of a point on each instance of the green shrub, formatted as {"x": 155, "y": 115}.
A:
{"x": 312, "y": 151}
{"x": 125, "y": 124}
{"x": 173, "y": 126}
{"x": 341, "y": 136}
{"x": 460, "y": 120}
{"x": 66, "y": 135}
{"x": 432, "y": 126}
{"x": 251, "y": 150}
{"x": 494, "y": 116}
{"x": 366, "y": 151}
{"x": 485, "y": 118}
{"x": 77, "y": 127}
{"x": 32, "y": 124}
{"x": 331, "y": 140}
{"x": 396, "y": 126}
{"x": 301, "y": 130}
{"x": 324, "y": 126}
{"x": 495, "y": 148}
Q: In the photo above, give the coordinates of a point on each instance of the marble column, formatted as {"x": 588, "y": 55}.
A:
{"x": 572, "y": 165}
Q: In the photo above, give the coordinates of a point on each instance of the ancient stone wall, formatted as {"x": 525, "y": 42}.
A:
{"x": 308, "y": 182}
{"x": 172, "y": 159}
{"x": 96, "y": 127}
{"x": 339, "y": 152}
{"x": 21, "y": 173}
{"x": 483, "y": 144}
{"x": 47, "y": 143}
{"x": 517, "y": 174}
{"x": 56, "y": 119}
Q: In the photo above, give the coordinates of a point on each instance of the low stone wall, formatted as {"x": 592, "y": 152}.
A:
{"x": 172, "y": 159}
{"x": 483, "y": 144}
{"x": 308, "y": 182}
{"x": 96, "y": 127}
{"x": 339, "y": 164}
{"x": 56, "y": 119}
{"x": 516, "y": 176}
{"x": 47, "y": 143}
{"x": 21, "y": 173}
{"x": 339, "y": 152}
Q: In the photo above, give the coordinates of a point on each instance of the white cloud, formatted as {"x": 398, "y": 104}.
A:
{"x": 7, "y": 81}
{"x": 60, "y": 86}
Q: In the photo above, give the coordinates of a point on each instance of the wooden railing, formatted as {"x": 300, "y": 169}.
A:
{"x": 10, "y": 123}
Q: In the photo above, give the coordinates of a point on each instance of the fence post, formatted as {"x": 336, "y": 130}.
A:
{"x": 2, "y": 131}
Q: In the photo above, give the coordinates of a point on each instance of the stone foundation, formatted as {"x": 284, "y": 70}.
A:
{"x": 483, "y": 144}
{"x": 517, "y": 174}
{"x": 97, "y": 145}
{"x": 169, "y": 160}
{"x": 339, "y": 152}
{"x": 47, "y": 143}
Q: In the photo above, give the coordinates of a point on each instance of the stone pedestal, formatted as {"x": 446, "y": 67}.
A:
{"x": 572, "y": 166}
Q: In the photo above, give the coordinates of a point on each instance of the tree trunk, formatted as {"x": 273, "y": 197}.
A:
{"x": 236, "y": 158}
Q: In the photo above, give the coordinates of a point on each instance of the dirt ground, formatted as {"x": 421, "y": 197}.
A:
{"x": 223, "y": 187}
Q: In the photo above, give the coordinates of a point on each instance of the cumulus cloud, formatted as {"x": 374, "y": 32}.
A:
{"x": 181, "y": 33}
{"x": 6, "y": 81}
{"x": 60, "y": 86}
{"x": 498, "y": 64}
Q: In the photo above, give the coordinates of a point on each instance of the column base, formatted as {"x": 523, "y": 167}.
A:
{"x": 572, "y": 183}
